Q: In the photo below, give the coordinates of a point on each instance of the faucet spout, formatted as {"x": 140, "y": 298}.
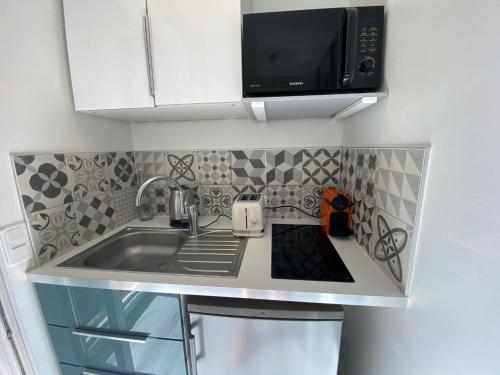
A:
{"x": 149, "y": 181}
{"x": 191, "y": 214}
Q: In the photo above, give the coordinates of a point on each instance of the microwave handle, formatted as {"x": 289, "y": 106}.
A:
{"x": 350, "y": 43}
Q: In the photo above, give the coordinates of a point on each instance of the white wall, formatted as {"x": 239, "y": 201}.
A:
{"x": 36, "y": 105}
{"x": 233, "y": 134}
{"x": 443, "y": 77}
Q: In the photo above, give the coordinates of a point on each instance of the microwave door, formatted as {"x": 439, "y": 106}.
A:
{"x": 293, "y": 52}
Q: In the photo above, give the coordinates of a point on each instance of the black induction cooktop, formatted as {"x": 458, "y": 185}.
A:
{"x": 304, "y": 252}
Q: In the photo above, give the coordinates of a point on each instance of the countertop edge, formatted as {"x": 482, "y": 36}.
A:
{"x": 217, "y": 291}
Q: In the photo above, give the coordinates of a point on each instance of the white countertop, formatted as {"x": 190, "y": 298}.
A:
{"x": 371, "y": 287}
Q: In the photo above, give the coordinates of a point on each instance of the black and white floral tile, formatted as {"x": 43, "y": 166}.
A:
{"x": 44, "y": 181}
{"x": 121, "y": 169}
{"x": 285, "y": 198}
{"x": 214, "y": 167}
{"x": 90, "y": 174}
{"x": 386, "y": 185}
{"x": 54, "y": 230}
{"x": 182, "y": 166}
{"x": 71, "y": 198}
{"x": 311, "y": 198}
{"x": 215, "y": 200}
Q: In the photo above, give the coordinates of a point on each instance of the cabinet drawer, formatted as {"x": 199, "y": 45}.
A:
{"x": 77, "y": 370}
{"x": 157, "y": 315}
{"x": 117, "y": 354}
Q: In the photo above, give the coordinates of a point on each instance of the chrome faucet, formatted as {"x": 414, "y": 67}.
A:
{"x": 187, "y": 212}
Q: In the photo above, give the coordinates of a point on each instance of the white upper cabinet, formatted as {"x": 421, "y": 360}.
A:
{"x": 107, "y": 53}
{"x": 154, "y": 60}
{"x": 196, "y": 50}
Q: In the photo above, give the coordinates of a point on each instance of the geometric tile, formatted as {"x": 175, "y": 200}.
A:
{"x": 321, "y": 166}
{"x": 284, "y": 167}
{"x": 53, "y": 231}
{"x": 284, "y": 195}
{"x": 247, "y": 189}
{"x": 124, "y": 201}
{"x": 398, "y": 182}
{"x": 311, "y": 198}
{"x": 159, "y": 196}
{"x": 121, "y": 170}
{"x": 347, "y": 169}
{"x": 96, "y": 216}
{"x": 44, "y": 181}
{"x": 391, "y": 247}
{"x": 182, "y": 166}
{"x": 366, "y": 175}
{"x": 214, "y": 167}
{"x": 150, "y": 163}
{"x": 248, "y": 167}
{"x": 90, "y": 175}
{"x": 215, "y": 200}
{"x": 362, "y": 213}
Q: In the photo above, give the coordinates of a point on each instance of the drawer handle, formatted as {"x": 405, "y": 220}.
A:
{"x": 89, "y": 371}
{"x": 110, "y": 336}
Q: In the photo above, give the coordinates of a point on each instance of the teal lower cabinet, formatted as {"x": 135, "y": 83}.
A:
{"x": 144, "y": 356}
{"x": 158, "y": 315}
{"x": 101, "y": 332}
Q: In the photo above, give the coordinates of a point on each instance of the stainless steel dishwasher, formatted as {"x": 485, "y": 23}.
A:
{"x": 254, "y": 337}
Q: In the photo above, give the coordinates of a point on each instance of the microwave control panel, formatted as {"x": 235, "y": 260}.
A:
{"x": 368, "y": 64}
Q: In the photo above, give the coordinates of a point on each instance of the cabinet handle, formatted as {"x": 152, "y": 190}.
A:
{"x": 192, "y": 343}
{"x": 89, "y": 371}
{"x": 110, "y": 336}
{"x": 149, "y": 57}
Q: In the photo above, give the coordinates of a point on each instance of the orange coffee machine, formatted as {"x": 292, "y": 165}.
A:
{"x": 336, "y": 213}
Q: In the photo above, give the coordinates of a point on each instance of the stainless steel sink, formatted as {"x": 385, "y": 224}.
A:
{"x": 211, "y": 253}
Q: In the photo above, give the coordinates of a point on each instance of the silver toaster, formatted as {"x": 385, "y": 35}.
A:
{"x": 248, "y": 217}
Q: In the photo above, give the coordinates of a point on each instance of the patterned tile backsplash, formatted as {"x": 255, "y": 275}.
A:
{"x": 284, "y": 176}
{"x": 90, "y": 175}
{"x": 44, "y": 181}
{"x": 386, "y": 185}
{"x": 73, "y": 198}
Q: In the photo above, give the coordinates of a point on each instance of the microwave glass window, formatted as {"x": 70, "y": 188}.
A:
{"x": 312, "y": 60}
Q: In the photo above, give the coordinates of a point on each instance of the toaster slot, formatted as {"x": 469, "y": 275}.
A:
{"x": 246, "y": 218}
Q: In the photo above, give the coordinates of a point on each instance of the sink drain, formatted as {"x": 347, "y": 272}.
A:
{"x": 163, "y": 265}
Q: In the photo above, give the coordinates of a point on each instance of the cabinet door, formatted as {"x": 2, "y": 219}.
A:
{"x": 196, "y": 50}
{"x": 157, "y": 315}
{"x": 107, "y": 53}
{"x": 249, "y": 346}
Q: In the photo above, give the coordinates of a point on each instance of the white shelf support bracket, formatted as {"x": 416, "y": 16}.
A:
{"x": 259, "y": 110}
{"x": 357, "y": 106}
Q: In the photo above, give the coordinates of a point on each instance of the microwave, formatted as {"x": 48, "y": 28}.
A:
{"x": 309, "y": 52}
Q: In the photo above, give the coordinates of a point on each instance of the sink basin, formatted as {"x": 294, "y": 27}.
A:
{"x": 211, "y": 253}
